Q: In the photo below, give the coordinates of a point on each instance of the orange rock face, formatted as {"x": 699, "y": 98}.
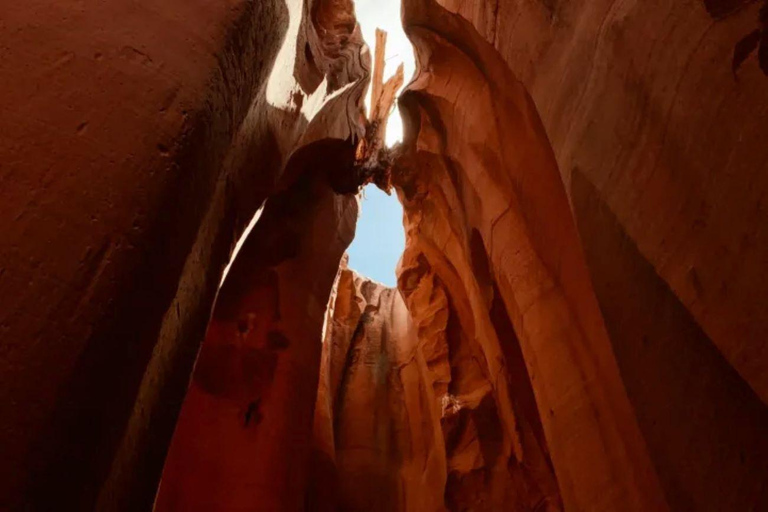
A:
{"x": 661, "y": 150}
{"x": 248, "y": 411}
{"x": 487, "y": 214}
{"x": 138, "y": 141}
{"x": 648, "y": 122}
{"x": 408, "y": 417}
{"x": 534, "y": 413}
{"x": 378, "y": 445}
{"x": 581, "y": 310}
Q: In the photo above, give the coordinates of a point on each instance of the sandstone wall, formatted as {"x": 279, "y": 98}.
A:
{"x": 479, "y": 180}
{"x": 580, "y": 318}
{"x": 378, "y": 443}
{"x": 243, "y": 438}
{"x": 409, "y": 416}
{"x": 648, "y": 122}
{"x": 138, "y": 139}
{"x": 665, "y": 188}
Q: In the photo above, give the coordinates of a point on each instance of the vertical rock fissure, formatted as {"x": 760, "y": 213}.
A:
{"x": 418, "y": 382}
{"x": 577, "y": 321}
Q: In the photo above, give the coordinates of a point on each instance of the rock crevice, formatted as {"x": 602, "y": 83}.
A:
{"x": 579, "y": 320}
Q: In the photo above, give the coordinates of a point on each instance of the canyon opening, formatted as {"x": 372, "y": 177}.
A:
{"x": 417, "y": 256}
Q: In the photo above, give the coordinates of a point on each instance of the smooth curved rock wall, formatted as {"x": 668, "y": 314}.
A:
{"x": 139, "y": 138}
{"x": 663, "y": 153}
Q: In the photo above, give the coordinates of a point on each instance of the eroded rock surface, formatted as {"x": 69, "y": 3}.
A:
{"x": 662, "y": 151}
{"x": 487, "y": 213}
{"x": 582, "y": 336}
{"x": 248, "y": 410}
{"x": 244, "y": 434}
{"x": 648, "y": 122}
{"x": 378, "y": 445}
{"x": 139, "y": 138}
{"x": 408, "y": 417}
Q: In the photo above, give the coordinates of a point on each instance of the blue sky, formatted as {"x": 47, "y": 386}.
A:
{"x": 379, "y": 240}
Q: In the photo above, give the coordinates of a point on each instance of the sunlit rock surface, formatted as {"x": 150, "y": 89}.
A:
{"x": 138, "y": 140}
{"x": 648, "y": 123}
{"x": 378, "y": 441}
{"x": 580, "y": 316}
{"x": 662, "y": 151}
{"x": 486, "y": 212}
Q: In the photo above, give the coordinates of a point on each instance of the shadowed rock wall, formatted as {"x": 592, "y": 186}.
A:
{"x": 662, "y": 151}
{"x": 639, "y": 99}
{"x": 479, "y": 183}
{"x": 244, "y": 434}
{"x": 139, "y": 138}
{"x": 378, "y": 445}
{"x": 408, "y": 417}
{"x": 588, "y": 336}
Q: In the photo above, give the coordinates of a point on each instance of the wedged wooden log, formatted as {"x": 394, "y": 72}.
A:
{"x": 373, "y": 157}
{"x": 383, "y": 93}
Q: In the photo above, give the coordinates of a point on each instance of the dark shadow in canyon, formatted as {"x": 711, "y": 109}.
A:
{"x": 685, "y": 394}
{"x": 76, "y": 456}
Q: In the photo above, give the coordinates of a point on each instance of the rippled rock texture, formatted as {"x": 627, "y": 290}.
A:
{"x": 662, "y": 152}
{"x": 580, "y": 317}
{"x": 378, "y": 444}
{"x": 138, "y": 141}
{"x": 649, "y": 123}
{"x": 566, "y": 370}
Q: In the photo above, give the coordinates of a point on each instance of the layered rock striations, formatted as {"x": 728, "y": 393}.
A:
{"x": 378, "y": 444}
{"x": 649, "y": 122}
{"x": 487, "y": 214}
{"x": 408, "y": 417}
{"x": 138, "y": 141}
{"x": 579, "y": 320}
{"x": 662, "y": 149}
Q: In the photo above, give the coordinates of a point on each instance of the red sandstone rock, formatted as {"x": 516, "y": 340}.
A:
{"x": 243, "y": 439}
{"x": 378, "y": 439}
{"x": 648, "y": 122}
{"x": 138, "y": 139}
{"x": 663, "y": 154}
{"x": 244, "y": 434}
{"x": 487, "y": 213}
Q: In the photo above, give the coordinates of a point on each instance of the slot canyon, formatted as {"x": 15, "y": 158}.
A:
{"x": 580, "y": 315}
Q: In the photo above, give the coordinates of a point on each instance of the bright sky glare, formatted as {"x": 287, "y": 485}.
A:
{"x": 380, "y": 240}
{"x": 385, "y": 14}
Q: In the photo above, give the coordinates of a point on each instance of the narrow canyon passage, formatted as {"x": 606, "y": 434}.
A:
{"x": 423, "y": 401}
{"x": 482, "y": 381}
{"x": 506, "y": 256}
